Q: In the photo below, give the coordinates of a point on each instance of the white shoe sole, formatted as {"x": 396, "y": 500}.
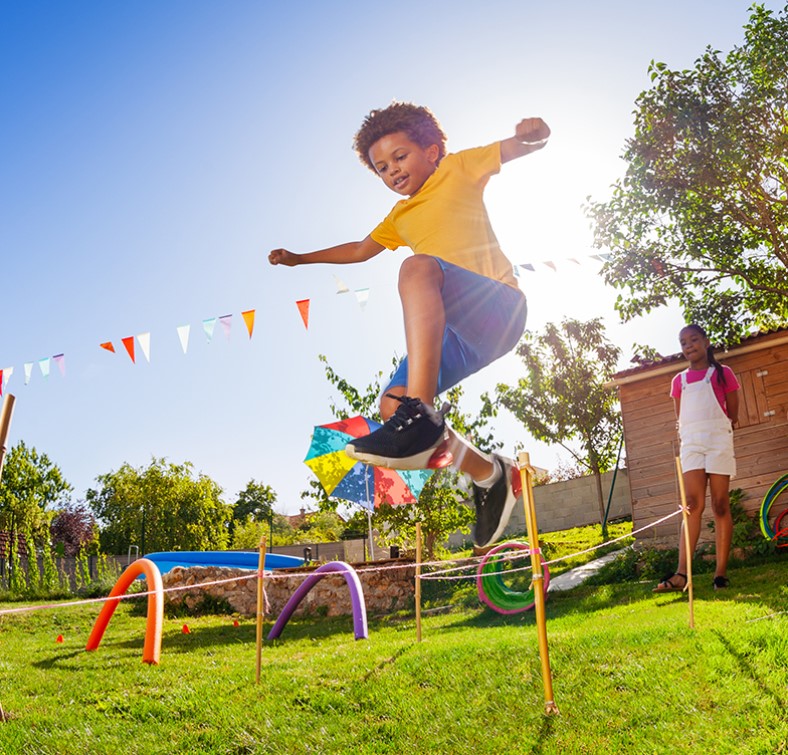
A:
{"x": 419, "y": 461}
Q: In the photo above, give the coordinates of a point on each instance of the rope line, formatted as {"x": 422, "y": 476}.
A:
{"x": 447, "y": 574}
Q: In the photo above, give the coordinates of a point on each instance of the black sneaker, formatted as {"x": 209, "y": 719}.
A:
{"x": 720, "y": 583}
{"x": 494, "y": 504}
{"x": 407, "y": 440}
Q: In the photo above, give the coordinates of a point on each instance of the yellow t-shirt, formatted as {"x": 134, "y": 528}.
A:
{"x": 447, "y": 218}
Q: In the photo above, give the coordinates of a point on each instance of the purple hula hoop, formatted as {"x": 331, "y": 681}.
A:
{"x": 356, "y": 598}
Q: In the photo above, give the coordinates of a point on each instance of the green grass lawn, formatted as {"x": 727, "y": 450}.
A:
{"x": 629, "y": 676}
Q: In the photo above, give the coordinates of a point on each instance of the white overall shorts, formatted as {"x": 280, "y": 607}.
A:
{"x": 704, "y": 429}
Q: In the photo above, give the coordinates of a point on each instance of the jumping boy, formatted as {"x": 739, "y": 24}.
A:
{"x": 461, "y": 303}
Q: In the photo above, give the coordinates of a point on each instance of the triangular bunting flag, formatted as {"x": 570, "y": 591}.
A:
{"x": 183, "y": 335}
{"x": 303, "y": 309}
{"x": 572, "y": 259}
{"x": 144, "y": 341}
{"x": 606, "y": 257}
{"x": 5, "y": 376}
{"x": 362, "y": 296}
{"x": 226, "y": 322}
{"x": 595, "y": 257}
{"x": 44, "y": 365}
{"x": 550, "y": 265}
{"x": 60, "y": 361}
{"x": 515, "y": 271}
{"x": 208, "y": 326}
{"x": 108, "y": 346}
{"x": 128, "y": 342}
{"x": 249, "y": 320}
{"x": 528, "y": 266}
{"x": 28, "y": 372}
{"x": 341, "y": 287}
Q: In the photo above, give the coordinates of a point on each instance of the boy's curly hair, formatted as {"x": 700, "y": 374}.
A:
{"x": 416, "y": 121}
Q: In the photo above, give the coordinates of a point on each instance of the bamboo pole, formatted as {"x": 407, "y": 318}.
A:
{"x": 526, "y": 474}
{"x": 260, "y": 609}
{"x": 687, "y": 552}
{"x": 418, "y": 581}
{"x": 6, "y": 412}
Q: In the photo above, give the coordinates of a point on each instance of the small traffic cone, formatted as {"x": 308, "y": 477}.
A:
{"x": 235, "y": 623}
{"x": 186, "y": 629}
{"x": 59, "y": 638}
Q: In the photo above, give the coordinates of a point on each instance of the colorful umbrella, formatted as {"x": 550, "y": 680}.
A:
{"x": 351, "y": 480}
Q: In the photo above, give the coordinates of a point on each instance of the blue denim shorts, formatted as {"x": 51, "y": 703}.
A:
{"x": 484, "y": 320}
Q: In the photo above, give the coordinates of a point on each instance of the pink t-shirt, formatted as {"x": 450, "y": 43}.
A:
{"x": 693, "y": 376}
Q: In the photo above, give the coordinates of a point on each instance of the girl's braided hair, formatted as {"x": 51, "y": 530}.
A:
{"x": 416, "y": 121}
{"x": 709, "y": 352}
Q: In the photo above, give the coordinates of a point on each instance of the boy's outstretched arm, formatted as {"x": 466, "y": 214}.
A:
{"x": 342, "y": 254}
{"x": 530, "y": 134}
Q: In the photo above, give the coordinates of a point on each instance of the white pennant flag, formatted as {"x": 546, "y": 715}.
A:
{"x": 44, "y": 365}
{"x": 144, "y": 341}
{"x": 208, "y": 326}
{"x": 341, "y": 287}
{"x": 7, "y": 372}
{"x": 362, "y": 296}
{"x": 28, "y": 372}
{"x": 183, "y": 335}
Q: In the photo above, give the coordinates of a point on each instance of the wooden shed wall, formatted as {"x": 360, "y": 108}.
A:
{"x": 760, "y": 439}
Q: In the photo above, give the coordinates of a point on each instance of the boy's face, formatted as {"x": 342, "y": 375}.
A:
{"x": 403, "y": 165}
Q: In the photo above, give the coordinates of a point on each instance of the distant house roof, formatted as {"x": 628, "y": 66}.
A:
{"x": 668, "y": 364}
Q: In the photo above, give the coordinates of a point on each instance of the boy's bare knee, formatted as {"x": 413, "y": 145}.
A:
{"x": 419, "y": 265}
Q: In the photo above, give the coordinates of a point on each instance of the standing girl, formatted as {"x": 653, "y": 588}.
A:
{"x": 706, "y": 397}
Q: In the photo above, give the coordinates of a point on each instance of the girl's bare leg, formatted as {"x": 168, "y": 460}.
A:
{"x": 719, "y": 488}
{"x": 695, "y": 491}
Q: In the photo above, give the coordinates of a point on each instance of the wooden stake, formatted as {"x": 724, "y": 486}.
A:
{"x": 418, "y": 581}
{"x": 685, "y": 527}
{"x": 260, "y": 608}
{"x": 6, "y": 413}
{"x": 526, "y": 477}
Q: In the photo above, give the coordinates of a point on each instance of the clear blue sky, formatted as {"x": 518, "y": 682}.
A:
{"x": 151, "y": 153}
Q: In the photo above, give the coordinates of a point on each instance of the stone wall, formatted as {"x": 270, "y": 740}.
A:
{"x": 387, "y": 586}
{"x": 573, "y": 503}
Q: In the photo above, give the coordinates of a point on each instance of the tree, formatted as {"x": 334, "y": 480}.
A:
{"x": 702, "y": 212}
{"x": 74, "y": 528}
{"x": 563, "y": 398}
{"x": 31, "y": 488}
{"x": 256, "y": 502}
{"x": 161, "y": 507}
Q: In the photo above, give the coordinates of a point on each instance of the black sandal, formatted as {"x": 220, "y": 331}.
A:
{"x": 666, "y": 583}
{"x": 720, "y": 583}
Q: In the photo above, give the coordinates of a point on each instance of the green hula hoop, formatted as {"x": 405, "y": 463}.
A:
{"x": 494, "y": 592}
{"x": 771, "y": 496}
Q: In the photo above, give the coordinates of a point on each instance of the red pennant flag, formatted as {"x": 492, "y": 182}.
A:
{"x": 303, "y": 309}
{"x": 249, "y": 320}
{"x": 128, "y": 342}
{"x": 1, "y": 382}
{"x": 108, "y": 346}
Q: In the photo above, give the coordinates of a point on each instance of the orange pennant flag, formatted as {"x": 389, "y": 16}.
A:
{"x": 128, "y": 342}
{"x": 249, "y": 320}
{"x": 108, "y": 346}
{"x": 303, "y": 308}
